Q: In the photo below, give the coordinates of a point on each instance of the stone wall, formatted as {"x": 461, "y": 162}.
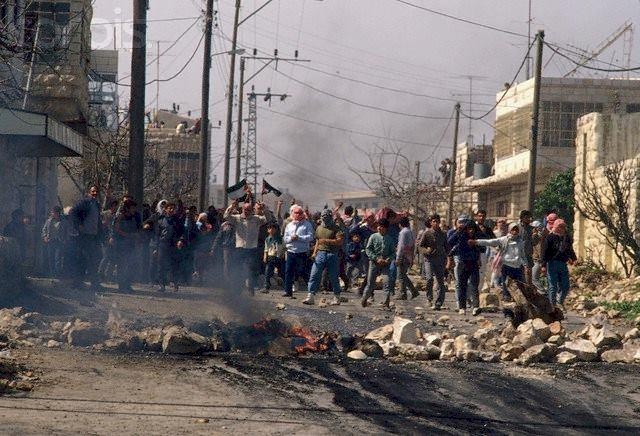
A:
{"x": 603, "y": 140}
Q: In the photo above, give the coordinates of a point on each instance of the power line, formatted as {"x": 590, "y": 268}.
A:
{"x": 515, "y": 77}
{"x": 444, "y": 132}
{"x": 463, "y": 20}
{"x": 148, "y": 21}
{"x": 582, "y": 65}
{"x": 306, "y": 169}
{"x": 385, "y": 88}
{"x": 356, "y": 103}
{"x": 342, "y": 129}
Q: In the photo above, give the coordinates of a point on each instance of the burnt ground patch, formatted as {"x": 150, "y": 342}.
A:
{"x": 452, "y": 398}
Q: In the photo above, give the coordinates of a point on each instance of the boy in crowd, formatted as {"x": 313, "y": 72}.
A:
{"x": 380, "y": 253}
{"x": 273, "y": 256}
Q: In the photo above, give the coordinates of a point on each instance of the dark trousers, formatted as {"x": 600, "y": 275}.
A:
{"x": 516, "y": 274}
{"x": 228, "y": 262}
{"x": 248, "y": 261}
{"x": 434, "y": 270}
{"x": 405, "y": 281}
{"x": 295, "y": 266}
{"x": 467, "y": 283}
{"x": 90, "y": 251}
{"x": 269, "y": 267}
{"x": 167, "y": 264}
{"x": 126, "y": 264}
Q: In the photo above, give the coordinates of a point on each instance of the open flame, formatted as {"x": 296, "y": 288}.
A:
{"x": 302, "y": 340}
{"x": 310, "y": 342}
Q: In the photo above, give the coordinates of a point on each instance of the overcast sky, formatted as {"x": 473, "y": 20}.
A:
{"x": 383, "y": 43}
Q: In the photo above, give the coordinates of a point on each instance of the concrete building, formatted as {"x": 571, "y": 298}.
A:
{"x": 562, "y": 102}
{"x": 176, "y": 152}
{"x": 360, "y": 200}
{"x": 603, "y": 141}
{"x": 43, "y": 102}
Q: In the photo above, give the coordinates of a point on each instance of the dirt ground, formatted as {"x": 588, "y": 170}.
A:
{"x": 88, "y": 392}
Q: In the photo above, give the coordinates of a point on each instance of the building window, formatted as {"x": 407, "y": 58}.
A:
{"x": 50, "y": 22}
{"x": 558, "y": 121}
{"x": 633, "y": 108}
{"x": 502, "y": 208}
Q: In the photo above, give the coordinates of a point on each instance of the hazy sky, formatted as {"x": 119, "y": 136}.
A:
{"x": 356, "y": 47}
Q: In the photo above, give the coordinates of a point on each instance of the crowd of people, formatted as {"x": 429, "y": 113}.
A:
{"x": 248, "y": 247}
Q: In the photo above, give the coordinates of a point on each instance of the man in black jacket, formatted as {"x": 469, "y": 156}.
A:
{"x": 87, "y": 221}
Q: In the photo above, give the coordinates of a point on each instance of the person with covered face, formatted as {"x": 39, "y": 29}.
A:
{"x": 511, "y": 255}
{"x": 247, "y": 227}
{"x": 298, "y": 235}
{"x": 556, "y": 253}
{"x": 329, "y": 238}
{"x": 467, "y": 266}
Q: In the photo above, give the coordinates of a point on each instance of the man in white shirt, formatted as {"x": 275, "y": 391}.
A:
{"x": 247, "y": 226}
{"x": 298, "y": 235}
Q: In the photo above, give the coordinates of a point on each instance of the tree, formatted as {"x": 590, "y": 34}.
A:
{"x": 558, "y": 194}
{"x": 392, "y": 175}
{"x": 608, "y": 201}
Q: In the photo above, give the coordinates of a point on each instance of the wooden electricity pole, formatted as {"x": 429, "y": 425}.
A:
{"x": 232, "y": 72}
{"x": 204, "y": 120}
{"x": 136, "y": 105}
{"x": 452, "y": 173}
{"x": 533, "y": 154}
{"x": 239, "y": 125}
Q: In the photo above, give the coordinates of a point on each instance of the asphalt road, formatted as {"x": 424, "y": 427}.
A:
{"x": 88, "y": 392}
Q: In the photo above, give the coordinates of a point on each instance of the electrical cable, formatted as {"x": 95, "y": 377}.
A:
{"x": 515, "y": 77}
{"x": 342, "y": 129}
{"x": 356, "y": 103}
{"x": 583, "y": 64}
{"x": 463, "y": 20}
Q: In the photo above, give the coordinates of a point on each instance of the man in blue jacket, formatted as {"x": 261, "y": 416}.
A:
{"x": 467, "y": 265}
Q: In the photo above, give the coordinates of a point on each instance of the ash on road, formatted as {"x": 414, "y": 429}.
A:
{"x": 89, "y": 392}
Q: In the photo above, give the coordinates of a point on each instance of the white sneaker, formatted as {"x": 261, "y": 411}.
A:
{"x": 335, "y": 301}
{"x": 475, "y": 311}
{"x": 462, "y": 312}
{"x": 309, "y": 300}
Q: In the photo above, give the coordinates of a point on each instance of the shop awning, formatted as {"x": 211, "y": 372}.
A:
{"x": 38, "y": 135}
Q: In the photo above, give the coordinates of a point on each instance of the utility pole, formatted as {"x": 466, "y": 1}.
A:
{"x": 533, "y": 154}
{"x": 239, "y": 124}
{"x": 232, "y": 72}
{"x": 452, "y": 173}
{"x": 136, "y": 105}
{"x": 204, "y": 120}
{"x": 417, "y": 204}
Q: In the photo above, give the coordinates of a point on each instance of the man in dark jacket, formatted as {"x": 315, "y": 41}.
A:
{"x": 125, "y": 234}
{"x": 86, "y": 219}
{"x": 434, "y": 247}
{"x": 17, "y": 230}
{"x": 169, "y": 242}
{"x": 468, "y": 266}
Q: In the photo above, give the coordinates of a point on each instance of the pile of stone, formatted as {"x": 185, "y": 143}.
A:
{"x": 13, "y": 376}
{"x": 590, "y": 301}
{"x": 534, "y": 341}
{"x": 18, "y": 327}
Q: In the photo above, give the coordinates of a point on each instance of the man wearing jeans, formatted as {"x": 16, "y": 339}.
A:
{"x": 404, "y": 259}
{"x": 433, "y": 245}
{"x": 298, "y": 234}
{"x": 247, "y": 226}
{"x": 329, "y": 238}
